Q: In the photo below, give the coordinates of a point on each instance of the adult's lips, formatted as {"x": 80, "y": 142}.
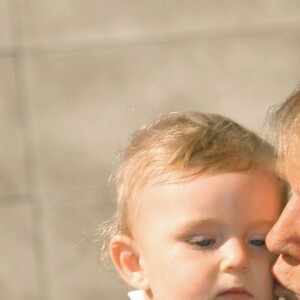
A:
{"x": 281, "y": 291}
{"x": 286, "y": 275}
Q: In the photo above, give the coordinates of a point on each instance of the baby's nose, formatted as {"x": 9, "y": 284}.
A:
{"x": 236, "y": 257}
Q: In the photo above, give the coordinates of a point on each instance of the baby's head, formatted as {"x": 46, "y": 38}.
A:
{"x": 199, "y": 142}
{"x": 196, "y": 196}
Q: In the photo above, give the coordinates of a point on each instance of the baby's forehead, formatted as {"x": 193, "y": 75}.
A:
{"x": 206, "y": 197}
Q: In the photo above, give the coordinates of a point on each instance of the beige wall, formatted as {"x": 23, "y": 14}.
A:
{"x": 77, "y": 77}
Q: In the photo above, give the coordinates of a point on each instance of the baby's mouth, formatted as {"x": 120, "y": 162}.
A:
{"x": 238, "y": 293}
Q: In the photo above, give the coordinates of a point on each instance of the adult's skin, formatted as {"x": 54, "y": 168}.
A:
{"x": 284, "y": 238}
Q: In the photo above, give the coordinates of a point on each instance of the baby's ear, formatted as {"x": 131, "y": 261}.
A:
{"x": 128, "y": 261}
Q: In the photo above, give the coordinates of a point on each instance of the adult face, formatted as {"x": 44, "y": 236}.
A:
{"x": 284, "y": 238}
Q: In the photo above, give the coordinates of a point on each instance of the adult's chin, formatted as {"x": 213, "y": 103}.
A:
{"x": 287, "y": 275}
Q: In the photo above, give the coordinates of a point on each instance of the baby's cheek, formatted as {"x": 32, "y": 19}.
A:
{"x": 273, "y": 258}
{"x": 267, "y": 257}
{"x": 265, "y": 262}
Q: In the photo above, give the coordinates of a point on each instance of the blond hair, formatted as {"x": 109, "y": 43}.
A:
{"x": 200, "y": 142}
{"x": 285, "y": 130}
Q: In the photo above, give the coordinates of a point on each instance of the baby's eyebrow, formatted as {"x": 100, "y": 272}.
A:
{"x": 264, "y": 223}
{"x": 191, "y": 225}
{"x": 194, "y": 224}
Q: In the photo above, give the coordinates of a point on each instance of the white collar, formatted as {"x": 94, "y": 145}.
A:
{"x": 137, "y": 295}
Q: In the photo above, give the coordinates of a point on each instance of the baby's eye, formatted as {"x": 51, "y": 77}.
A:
{"x": 257, "y": 242}
{"x": 202, "y": 242}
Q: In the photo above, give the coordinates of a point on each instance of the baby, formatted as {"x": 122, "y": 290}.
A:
{"x": 196, "y": 197}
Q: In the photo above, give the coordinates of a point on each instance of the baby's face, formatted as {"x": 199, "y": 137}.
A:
{"x": 204, "y": 238}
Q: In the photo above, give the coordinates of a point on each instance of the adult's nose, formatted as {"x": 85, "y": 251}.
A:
{"x": 235, "y": 256}
{"x": 284, "y": 237}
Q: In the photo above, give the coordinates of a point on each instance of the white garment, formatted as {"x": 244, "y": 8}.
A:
{"x": 137, "y": 295}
